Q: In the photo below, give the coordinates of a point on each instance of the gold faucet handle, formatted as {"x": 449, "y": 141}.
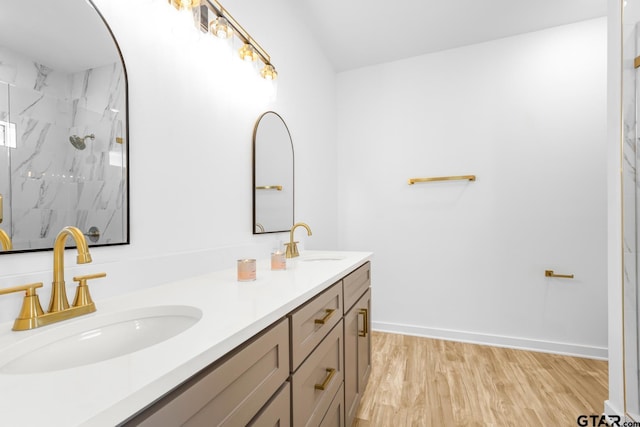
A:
{"x": 83, "y": 279}
{"x": 30, "y": 289}
{"x": 83, "y": 297}
{"x": 31, "y": 308}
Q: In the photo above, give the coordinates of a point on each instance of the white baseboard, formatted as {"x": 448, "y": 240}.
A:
{"x": 600, "y": 353}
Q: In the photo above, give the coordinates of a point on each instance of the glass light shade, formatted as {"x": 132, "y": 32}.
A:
{"x": 185, "y": 4}
{"x": 248, "y": 53}
{"x": 269, "y": 72}
{"x": 220, "y": 28}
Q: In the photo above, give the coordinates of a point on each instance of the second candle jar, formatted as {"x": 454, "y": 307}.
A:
{"x": 278, "y": 261}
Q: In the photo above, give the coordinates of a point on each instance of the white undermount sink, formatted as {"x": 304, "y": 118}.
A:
{"x": 95, "y": 339}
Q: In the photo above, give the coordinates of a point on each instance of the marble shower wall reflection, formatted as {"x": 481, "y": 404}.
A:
{"x": 46, "y": 181}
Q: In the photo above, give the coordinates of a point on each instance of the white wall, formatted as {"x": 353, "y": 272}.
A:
{"x": 190, "y": 150}
{"x": 461, "y": 260}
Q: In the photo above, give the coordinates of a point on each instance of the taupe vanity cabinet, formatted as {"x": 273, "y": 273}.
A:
{"x": 309, "y": 368}
{"x": 357, "y": 338}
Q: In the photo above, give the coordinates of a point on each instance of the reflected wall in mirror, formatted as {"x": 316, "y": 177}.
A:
{"x": 273, "y": 175}
{"x": 63, "y": 124}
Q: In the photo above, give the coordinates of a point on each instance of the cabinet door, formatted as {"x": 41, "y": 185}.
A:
{"x": 357, "y": 354}
{"x": 364, "y": 340}
{"x": 230, "y": 393}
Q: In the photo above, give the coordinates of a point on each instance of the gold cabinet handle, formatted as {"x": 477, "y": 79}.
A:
{"x": 365, "y": 315}
{"x": 270, "y": 187}
{"x": 326, "y": 317}
{"x": 331, "y": 372}
{"x": 550, "y": 273}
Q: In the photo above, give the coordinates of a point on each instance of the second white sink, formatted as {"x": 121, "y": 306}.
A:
{"x": 95, "y": 339}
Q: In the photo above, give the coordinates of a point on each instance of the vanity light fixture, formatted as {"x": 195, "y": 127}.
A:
{"x": 184, "y": 4}
{"x": 224, "y": 26}
{"x": 248, "y": 53}
{"x": 220, "y": 28}
{"x": 269, "y": 72}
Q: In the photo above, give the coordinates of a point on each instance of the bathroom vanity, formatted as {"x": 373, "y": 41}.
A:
{"x": 291, "y": 348}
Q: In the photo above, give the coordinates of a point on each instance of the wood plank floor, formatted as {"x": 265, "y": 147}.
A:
{"x": 426, "y": 382}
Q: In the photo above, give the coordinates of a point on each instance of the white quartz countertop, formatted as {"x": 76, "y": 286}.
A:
{"x": 107, "y": 393}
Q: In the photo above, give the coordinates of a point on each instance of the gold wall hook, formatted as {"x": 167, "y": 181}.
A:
{"x": 550, "y": 273}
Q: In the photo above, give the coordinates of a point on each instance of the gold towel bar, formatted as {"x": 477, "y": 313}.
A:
{"x": 550, "y": 273}
{"x": 443, "y": 178}
{"x": 270, "y": 187}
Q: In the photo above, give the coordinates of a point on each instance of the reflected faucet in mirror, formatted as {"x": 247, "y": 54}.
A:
{"x": 31, "y": 314}
{"x": 5, "y": 241}
{"x": 292, "y": 247}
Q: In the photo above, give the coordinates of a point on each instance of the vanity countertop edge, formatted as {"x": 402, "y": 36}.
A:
{"x": 109, "y": 392}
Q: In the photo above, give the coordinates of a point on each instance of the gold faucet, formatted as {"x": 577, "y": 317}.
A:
{"x": 5, "y": 241}
{"x": 31, "y": 315}
{"x": 292, "y": 247}
{"x": 59, "y": 299}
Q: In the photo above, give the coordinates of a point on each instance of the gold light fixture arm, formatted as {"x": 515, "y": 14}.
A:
{"x": 240, "y": 31}
{"x": 443, "y": 178}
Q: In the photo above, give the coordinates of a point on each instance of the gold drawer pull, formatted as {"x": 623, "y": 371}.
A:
{"x": 365, "y": 315}
{"x": 326, "y": 317}
{"x": 327, "y": 380}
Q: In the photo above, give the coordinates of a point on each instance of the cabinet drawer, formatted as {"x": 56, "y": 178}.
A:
{"x": 277, "y": 412}
{"x": 230, "y": 393}
{"x": 323, "y": 369}
{"x": 311, "y": 322}
{"x": 355, "y": 284}
{"x": 335, "y": 414}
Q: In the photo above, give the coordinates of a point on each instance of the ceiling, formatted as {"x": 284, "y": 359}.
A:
{"x": 358, "y": 33}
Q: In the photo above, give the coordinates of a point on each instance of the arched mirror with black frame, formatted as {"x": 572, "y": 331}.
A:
{"x": 63, "y": 125}
{"x": 273, "y": 175}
